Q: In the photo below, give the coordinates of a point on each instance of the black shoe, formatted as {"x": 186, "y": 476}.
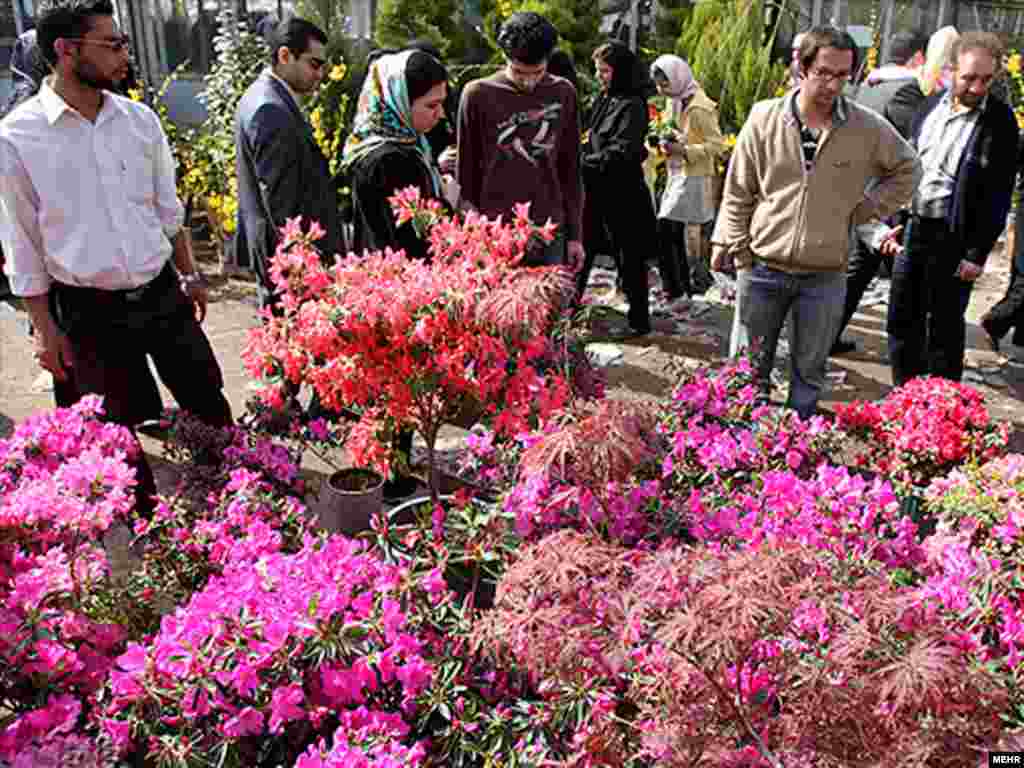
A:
{"x": 993, "y": 340}
{"x": 843, "y": 347}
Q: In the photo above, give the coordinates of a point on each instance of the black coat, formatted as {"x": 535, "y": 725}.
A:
{"x": 983, "y": 187}
{"x": 617, "y": 199}
{"x": 282, "y": 173}
{"x": 376, "y": 177}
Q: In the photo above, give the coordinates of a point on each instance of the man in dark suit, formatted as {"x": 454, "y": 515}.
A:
{"x": 282, "y": 173}
{"x": 894, "y": 92}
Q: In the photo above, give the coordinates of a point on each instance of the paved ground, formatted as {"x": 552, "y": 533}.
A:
{"x": 636, "y": 368}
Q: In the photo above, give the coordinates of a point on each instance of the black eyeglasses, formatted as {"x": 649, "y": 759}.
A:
{"x": 117, "y": 45}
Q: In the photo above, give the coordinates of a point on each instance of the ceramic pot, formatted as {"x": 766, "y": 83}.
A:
{"x": 349, "y": 500}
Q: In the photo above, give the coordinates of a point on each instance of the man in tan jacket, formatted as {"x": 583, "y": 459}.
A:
{"x": 796, "y": 184}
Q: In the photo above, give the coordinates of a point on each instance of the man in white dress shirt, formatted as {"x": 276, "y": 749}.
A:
{"x": 92, "y": 229}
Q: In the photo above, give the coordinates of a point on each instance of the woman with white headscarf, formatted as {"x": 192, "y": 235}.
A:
{"x": 687, "y": 203}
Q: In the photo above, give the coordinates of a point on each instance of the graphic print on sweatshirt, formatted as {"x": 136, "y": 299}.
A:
{"x": 530, "y": 134}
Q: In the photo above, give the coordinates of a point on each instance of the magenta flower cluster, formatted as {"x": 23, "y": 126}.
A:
{"x": 275, "y": 644}
{"x": 64, "y": 479}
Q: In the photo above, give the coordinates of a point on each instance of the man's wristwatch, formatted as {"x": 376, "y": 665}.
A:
{"x": 190, "y": 279}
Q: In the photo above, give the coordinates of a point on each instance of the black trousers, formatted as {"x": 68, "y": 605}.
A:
{"x": 672, "y": 264}
{"x": 113, "y": 332}
{"x": 927, "y": 304}
{"x": 863, "y": 266}
{"x": 628, "y": 231}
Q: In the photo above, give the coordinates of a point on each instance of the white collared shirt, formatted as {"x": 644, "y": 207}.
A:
{"x": 82, "y": 203}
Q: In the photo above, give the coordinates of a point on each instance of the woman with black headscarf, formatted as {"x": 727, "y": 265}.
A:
{"x": 618, "y": 211}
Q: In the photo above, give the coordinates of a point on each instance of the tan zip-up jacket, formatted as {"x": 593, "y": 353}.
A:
{"x": 702, "y": 138}
{"x": 787, "y": 217}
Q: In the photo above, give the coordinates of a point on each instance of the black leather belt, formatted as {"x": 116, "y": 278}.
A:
{"x": 127, "y": 295}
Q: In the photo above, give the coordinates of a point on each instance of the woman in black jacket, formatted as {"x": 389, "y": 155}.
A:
{"x": 401, "y": 101}
{"x": 618, "y": 212}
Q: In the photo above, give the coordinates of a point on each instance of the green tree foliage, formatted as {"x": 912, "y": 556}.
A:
{"x": 669, "y": 19}
{"x": 440, "y": 21}
{"x": 729, "y": 46}
{"x": 329, "y": 15}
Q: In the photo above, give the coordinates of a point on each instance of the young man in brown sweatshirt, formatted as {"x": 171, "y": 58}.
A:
{"x": 519, "y": 140}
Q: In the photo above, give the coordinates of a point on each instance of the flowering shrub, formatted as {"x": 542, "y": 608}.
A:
{"x": 764, "y": 657}
{"x": 972, "y": 576}
{"x": 413, "y": 342}
{"x": 923, "y": 430}
{"x": 591, "y": 466}
{"x": 268, "y": 658}
{"x": 63, "y": 481}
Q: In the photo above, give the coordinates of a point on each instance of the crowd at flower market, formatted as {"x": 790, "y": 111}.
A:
{"x": 911, "y": 167}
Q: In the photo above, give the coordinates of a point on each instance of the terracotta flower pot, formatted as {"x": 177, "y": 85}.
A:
{"x": 349, "y": 500}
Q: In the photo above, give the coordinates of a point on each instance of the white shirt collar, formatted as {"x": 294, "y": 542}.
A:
{"x": 54, "y": 106}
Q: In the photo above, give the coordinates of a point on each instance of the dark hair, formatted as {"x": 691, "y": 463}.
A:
{"x": 527, "y": 37}
{"x": 826, "y": 37}
{"x": 426, "y": 45}
{"x": 294, "y": 34}
{"x": 978, "y": 41}
{"x": 903, "y": 46}
{"x": 560, "y": 64}
{"x": 628, "y": 75}
{"x": 66, "y": 18}
{"x": 423, "y": 72}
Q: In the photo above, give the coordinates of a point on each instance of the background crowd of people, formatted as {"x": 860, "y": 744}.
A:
{"x": 912, "y": 168}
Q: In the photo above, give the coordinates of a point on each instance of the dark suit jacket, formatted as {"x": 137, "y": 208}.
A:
{"x": 898, "y": 101}
{"x": 281, "y": 174}
{"x": 983, "y": 188}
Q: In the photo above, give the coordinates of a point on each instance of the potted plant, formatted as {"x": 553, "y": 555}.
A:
{"x": 409, "y": 344}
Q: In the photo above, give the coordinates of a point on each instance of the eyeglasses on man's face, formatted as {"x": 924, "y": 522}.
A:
{"x": 314, "y": 62}
{"x": 828, "y": 76}
{"x": 120, "y": 44}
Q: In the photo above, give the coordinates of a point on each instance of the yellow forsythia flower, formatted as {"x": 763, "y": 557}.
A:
{"x": 1013, "y": 64}
{"x": 338, "y": 72}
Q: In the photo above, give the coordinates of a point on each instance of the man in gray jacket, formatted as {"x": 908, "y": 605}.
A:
{"x": 796, "y": 183}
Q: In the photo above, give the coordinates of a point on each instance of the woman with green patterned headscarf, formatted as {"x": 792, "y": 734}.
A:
{"x": 402, "y": 99}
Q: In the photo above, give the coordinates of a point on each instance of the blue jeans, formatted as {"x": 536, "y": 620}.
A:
{"x": 816, "y": 302}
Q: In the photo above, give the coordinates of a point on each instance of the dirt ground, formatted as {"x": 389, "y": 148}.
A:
{"x": 637, "y": 368}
